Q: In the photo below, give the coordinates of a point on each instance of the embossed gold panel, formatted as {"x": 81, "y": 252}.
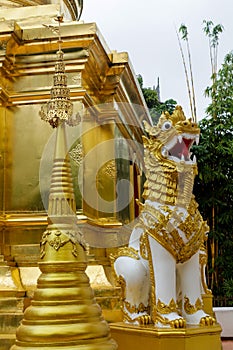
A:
{"x": 26, "y": 138}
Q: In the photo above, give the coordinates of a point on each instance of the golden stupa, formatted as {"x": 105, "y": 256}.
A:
{"x": 63, "y": 312}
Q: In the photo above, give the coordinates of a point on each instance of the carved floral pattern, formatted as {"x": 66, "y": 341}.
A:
{"x": 110, "y": 169}
{"x": 192, "y": 309}
{"x": 57, "y": 239}
{"x": 136, "y": 309}
{"x": 164, "y": 309}
{"x": 76, "y": 154}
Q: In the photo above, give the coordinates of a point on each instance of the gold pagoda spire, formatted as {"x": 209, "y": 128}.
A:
{"x": 63, "y": 313}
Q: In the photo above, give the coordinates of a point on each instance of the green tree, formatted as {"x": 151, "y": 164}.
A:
{"x": 214, "y": 184}
{"x": 155, "y": 106}
{"x": 212, "y": 32}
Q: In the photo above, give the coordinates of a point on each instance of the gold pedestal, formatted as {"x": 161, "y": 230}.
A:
{"x": 131, "y": 337}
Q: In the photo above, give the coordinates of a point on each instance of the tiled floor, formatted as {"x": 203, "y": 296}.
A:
{"x": 227, "y": 344}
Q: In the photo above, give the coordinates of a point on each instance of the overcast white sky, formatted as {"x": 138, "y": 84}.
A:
{"x": 146, "y": 30}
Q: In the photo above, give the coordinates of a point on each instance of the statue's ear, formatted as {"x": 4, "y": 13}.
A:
{"x": 146, "y": 141}
{"x": 147, "y": 126}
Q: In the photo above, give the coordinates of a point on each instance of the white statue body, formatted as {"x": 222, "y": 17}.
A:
{"x": 160, "y": 270}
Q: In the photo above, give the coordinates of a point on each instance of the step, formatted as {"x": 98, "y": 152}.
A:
{"x": 9, "y": 322}
{"x": 6, "y": 341}
{"x": 11, "y": 305}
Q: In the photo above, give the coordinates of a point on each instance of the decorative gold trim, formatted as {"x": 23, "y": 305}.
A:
{"x": 125, "y": 251}
{"x": 56, "y": 241}
{"x": 136, "y": 309}
{"x": 164, "y": 225}
{"x": 177, "y": 323}
{"x": 109, "y": 169}
{"x": 192, "y": 309}
{"x": 164, "y": 309}
{"x": 144, "y": 246}
{"x": 76, "y": 154}
{"x": 203, "y": 262}
{"x": 142, "y": 320}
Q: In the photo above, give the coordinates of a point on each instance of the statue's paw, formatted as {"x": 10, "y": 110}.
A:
{"x": 144, "y": 319}
{"x": 171, "y": 320}
{"x": 178, "y": 323}
{"x": 137, "y": 318}
{"x": 200, "y": 318}
{"x": 207, "y": 321}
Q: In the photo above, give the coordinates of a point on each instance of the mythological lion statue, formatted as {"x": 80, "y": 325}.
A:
{"x": 160, "y": 271}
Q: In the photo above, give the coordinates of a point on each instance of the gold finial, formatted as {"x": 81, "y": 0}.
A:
{"x": 59, "y": 108}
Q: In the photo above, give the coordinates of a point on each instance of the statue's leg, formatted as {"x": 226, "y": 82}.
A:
{"x": 164, "y": 282}
{"x": 134, "y": 276}
{"x": 191, "y": 290}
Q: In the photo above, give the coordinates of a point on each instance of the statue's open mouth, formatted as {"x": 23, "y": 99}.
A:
{"x": 179, "y": 148}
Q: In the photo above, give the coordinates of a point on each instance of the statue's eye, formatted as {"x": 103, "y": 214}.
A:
{"x": 167, "y": 126}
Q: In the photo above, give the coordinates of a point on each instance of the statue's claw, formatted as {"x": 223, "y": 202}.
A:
{"x": 207, "y": 321}
{"x": 178, "y": 323}
{"x": 144, "y": 319}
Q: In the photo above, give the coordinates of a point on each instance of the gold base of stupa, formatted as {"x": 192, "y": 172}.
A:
{"x": 131, "y": 337}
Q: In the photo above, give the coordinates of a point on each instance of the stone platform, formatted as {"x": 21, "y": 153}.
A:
{"x": 131, "y": 337}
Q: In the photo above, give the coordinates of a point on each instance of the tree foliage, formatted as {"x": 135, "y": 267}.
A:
{"x": 221, "y": 92}
{"x": 155, "y": 106}
{"x": 212, "y": 32}
{"x": 214, "y": 184}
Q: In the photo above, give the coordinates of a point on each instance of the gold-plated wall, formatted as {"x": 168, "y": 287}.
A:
{"x": 2, "y": 156}
{"x": 99, "y": 168}
{"x": 96, "y": 77}
{"x": 25, "y": 139}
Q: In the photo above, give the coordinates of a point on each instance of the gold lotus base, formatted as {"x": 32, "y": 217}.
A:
{"x": 131, "y": 337}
